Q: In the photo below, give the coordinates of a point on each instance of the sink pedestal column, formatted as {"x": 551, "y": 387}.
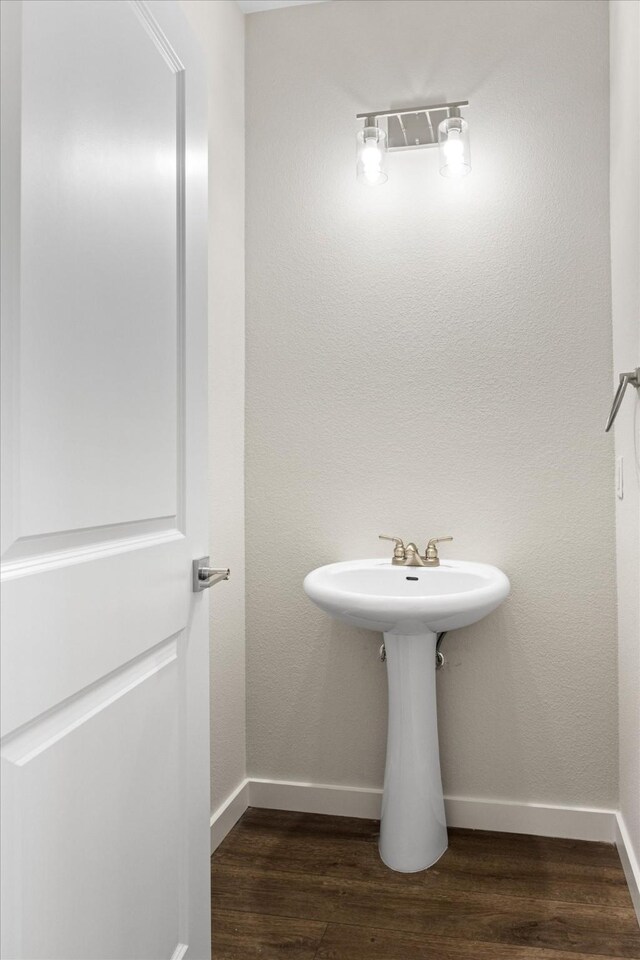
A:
{"x": 413, "y": 830}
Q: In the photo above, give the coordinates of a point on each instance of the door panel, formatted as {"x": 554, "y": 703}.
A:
{"x": 117, "y": 606}
{"x": 104, "y": 736}
{"x": 116, "y": 876}
{"x": 99, "y": 386}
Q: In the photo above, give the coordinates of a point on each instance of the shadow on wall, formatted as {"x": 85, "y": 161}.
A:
{"x": 495, "y": 657}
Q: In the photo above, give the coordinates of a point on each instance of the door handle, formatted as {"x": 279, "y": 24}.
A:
{"x": 632, "y": 378}
{"x": 205, "y": 576}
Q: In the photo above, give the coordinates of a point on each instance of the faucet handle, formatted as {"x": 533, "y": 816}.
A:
{"x": 399, "y": 553}
{"x": 431, "y": 553}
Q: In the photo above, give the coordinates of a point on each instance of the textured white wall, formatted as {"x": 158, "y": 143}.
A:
{"x": 625, "y": 281}
{"x": 219, "y": 27}
{"x": 427, "y": 359}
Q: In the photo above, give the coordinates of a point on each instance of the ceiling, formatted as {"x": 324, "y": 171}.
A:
{"x": 256, "y": 6}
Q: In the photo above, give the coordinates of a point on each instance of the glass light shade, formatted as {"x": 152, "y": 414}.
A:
{"x": 371, "y": 155}
{"x": 455, "y": 156}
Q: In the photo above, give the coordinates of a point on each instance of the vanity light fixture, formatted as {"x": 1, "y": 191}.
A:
{"x": 391, "y": 130}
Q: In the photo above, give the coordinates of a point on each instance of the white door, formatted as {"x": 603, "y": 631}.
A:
{"x": 105, "y": 806}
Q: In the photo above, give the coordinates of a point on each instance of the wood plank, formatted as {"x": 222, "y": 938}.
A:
{"x": 548, "y": 849}
{"x": 319, "y": 824}
{"x": 481, "y": 842}
{"x": 371, "y": 943}
{"x": 413, "y": 908}
{"x": 245, "y": 936}
{"x": 490, "y": 865}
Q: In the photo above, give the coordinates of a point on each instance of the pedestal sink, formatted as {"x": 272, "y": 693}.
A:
{"x": 410, "y": 605}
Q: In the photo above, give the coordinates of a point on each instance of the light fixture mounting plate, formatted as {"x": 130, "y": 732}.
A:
{"x": 413, "y": 127}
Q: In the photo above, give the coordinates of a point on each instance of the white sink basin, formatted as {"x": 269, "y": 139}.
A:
{"x": 410, "y": 605}
{"x": 377, "y": 595}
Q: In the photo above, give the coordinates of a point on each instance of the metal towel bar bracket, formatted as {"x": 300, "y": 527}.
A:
{"x": 632, "y": 378}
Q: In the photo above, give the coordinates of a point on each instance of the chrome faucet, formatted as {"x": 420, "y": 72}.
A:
{"x": 409, "y": 556}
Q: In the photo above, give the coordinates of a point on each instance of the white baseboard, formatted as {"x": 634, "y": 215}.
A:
{"x": 544, "y": 820}
{"x": 537, "y": 819}
{"x": 338, "y": 801}
{"x": 629, "y": 861}
{"x": 228, "y": 813}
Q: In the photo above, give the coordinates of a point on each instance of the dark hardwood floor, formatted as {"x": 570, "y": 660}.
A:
{"x": 309, "y": 887}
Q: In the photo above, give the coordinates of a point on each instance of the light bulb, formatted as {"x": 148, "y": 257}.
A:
{"x": 453, "y": 135}
{"x": 371, "y": 162}
{"x": 454, "y": 148}
{"x": 371, "y": 156}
